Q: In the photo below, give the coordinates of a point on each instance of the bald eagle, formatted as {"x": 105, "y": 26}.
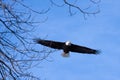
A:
{"x": 66, "y": 47}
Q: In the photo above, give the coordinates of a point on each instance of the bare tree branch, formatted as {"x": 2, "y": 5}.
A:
{"x": 17, "y": 53}
{"x": 80, "y": 9}
{"x": 73, "y": 5}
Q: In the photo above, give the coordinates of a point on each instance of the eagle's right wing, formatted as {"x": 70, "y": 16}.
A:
{"x": 49, "y": 43}
{"x": 82, "y": 49}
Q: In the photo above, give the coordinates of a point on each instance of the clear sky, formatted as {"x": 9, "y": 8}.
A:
{"x": 99, "y": 32}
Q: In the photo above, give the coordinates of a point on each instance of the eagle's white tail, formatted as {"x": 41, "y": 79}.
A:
{"x": 65, "y": 54}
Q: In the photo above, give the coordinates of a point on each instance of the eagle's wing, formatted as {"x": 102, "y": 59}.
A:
{"x": 81, "y": 49}
{"x": 52, "y": 44}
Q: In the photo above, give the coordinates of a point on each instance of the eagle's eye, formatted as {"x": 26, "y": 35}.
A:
{"x": 68, "y": 43}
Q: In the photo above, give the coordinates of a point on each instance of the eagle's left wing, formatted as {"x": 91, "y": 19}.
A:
{"x": 49, "y": 43}
{"x": 82, "y": 49}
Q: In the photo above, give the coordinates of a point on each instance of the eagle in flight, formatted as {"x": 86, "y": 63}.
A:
{"x": 67, "y": 47}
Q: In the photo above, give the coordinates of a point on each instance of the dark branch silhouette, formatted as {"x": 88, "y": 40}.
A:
{"x": 73, "y": 5}
{"x": 17, "y": 53}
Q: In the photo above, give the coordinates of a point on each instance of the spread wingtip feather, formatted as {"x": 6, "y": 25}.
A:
{"x": 36, "y": 40}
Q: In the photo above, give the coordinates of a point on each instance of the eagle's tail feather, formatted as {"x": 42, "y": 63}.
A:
{"x": 65, "y": 54}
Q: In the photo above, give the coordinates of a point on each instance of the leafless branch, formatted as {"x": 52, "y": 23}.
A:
{"x": 17, "y": 49}
{"x": 80, "y": 9}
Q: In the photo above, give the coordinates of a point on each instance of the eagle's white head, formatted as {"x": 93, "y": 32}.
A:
{"x": 68, "y": 43}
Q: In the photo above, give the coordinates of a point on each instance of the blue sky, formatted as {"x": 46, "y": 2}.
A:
{"x": 99, "y": 32}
